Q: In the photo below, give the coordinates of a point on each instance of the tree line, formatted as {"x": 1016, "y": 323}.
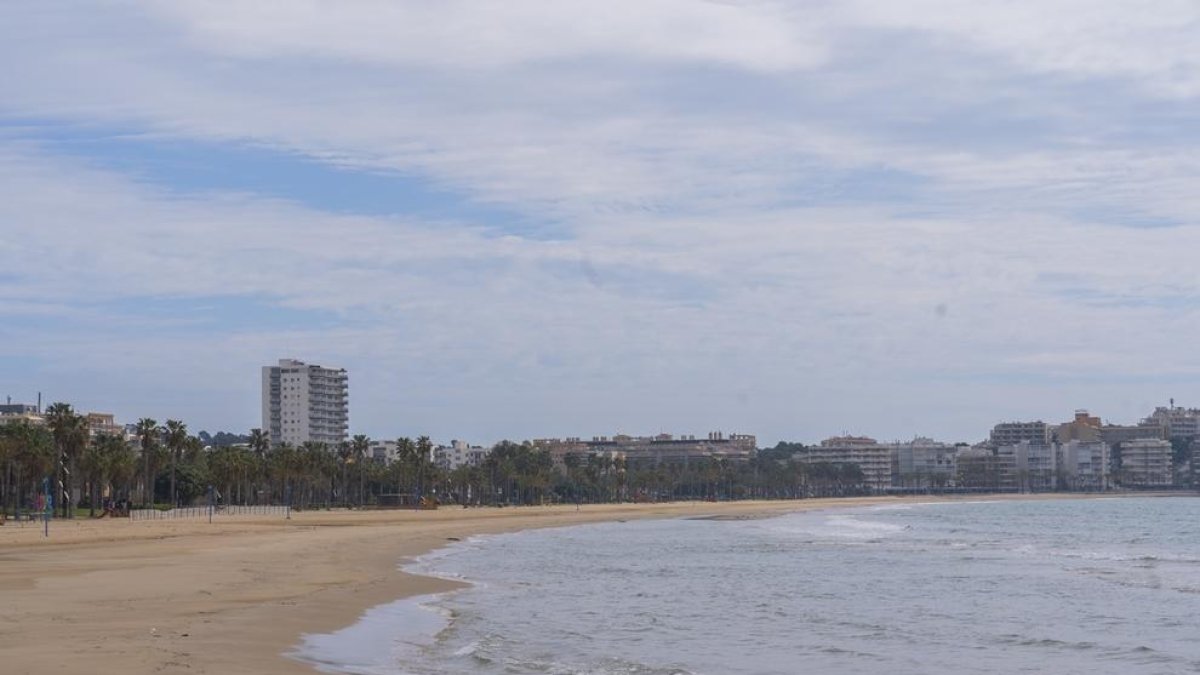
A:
{"x": 167, "y": 466}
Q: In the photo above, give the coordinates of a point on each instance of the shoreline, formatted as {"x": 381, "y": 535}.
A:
{"x": 238, "y": 595}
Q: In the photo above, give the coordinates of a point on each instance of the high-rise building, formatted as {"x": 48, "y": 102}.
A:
{"x": 304, "y": 402}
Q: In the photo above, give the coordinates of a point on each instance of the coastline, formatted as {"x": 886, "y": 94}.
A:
{"x": 237, "y": 595}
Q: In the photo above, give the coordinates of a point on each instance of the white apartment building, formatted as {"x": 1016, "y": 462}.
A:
{"x": 873, "y": 458}
{"x": 1175, "y": 422}
{"x": 1027, "y": 466}
{"x": 1012, "y": 433}
{"x": 1146, "y": 463}
{"x": 923, "y": 463}
{"x": 457, "y": 454}
{"x": 1085, "y": 464}
{"x": 304, "y": 402}
{"x": 383, "y": 452}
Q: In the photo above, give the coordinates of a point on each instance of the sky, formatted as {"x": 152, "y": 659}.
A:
{"x": 534, "y": 218}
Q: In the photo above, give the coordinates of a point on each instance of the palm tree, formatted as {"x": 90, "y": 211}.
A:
{"x": 30, "y": 451}
{"x": 281, "y": 464}
{"x": 148, "y": 433}
{"x": 91, "y": 462}
{"x": 7, "y": 452}
{"x": 260, "y": 442}
{"x": 121, "y": 462}
{"x": 405, "y": 453}
{"x": 176, "y": 439}
{"x": 70, "y": 432}
{"x": 106, "y": 461}
{"x": 344, "y": 455}
{"x": 318, "y": 467}
{"x": 424, "y": 460}
{"x": 358, "y": 447}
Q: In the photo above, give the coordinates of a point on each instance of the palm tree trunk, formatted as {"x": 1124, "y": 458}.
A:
{"x": 174, "y": 460}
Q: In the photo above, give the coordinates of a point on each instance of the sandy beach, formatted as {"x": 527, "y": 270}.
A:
{"x": 231, "y": 597}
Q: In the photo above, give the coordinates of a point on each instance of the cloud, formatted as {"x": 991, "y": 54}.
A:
{"x": 534, "y": 116}
{"x": 765, "y": 216}
{"x": 799, "y": 301}
{"x": 495, "y": 35}
{"x": 1153, "y": 44}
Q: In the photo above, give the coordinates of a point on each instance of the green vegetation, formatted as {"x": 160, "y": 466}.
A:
{"x": 164, "y": 465}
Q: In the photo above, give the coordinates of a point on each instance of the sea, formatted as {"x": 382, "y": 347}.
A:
{"x": 1045, "y": 586}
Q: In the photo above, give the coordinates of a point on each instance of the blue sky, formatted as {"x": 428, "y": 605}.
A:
{"x": 531, "y": 218}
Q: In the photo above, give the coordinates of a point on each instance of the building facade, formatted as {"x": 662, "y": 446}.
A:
{"x": 640, "y": 451}
{"x": 1085, "y": 465}
{"x": 978, "y": 468}
{"x": 871, "y": 457}
{"x": 1175, "y": 422}
{"x": 1145, "y": 463}
{"x": 459, "y": 454}
{"x": 924, "y": 463}
{"x": 104, "y": 424}
{"x": 1028, "y": 467}
{"x": 18, "y": 412}
{"x": 1085, "y": 427}
{"x": 1011, "y": 433}
{"x": 304, "y": 403}
{"x": 382, "y": 452}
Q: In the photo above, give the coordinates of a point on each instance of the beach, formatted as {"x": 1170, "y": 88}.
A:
{"x": 235, "y": 595}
